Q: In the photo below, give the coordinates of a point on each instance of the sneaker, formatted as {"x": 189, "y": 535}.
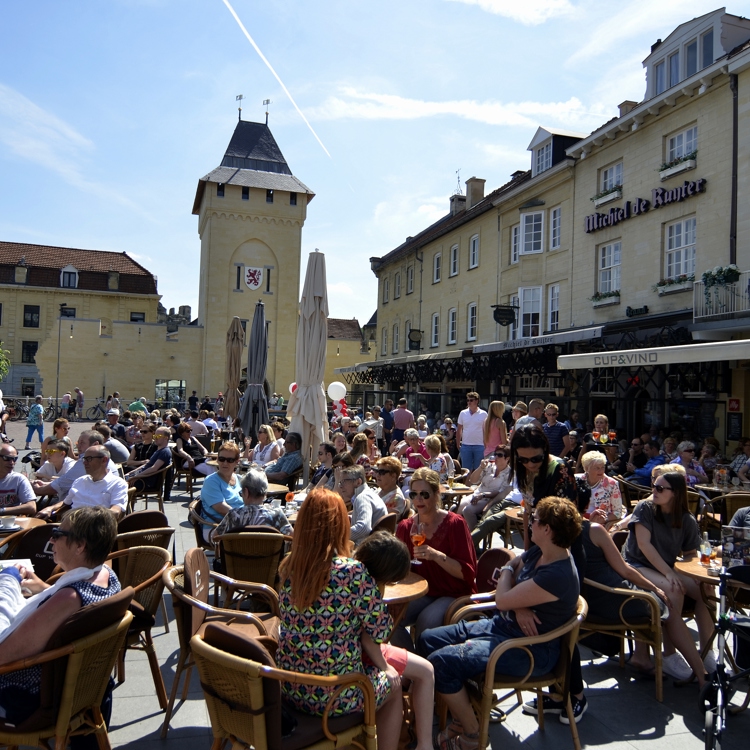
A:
{"x": 580, "y": 706}
{"x": 675, "y": 666}
{"x": 549, "y": 706}
{"x": 709, "y": 662}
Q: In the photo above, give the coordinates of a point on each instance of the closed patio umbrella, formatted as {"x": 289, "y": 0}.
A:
{"x": 307, "y": 405}
{"x": 235, "y": 345}
{"x": 254, "y": 409}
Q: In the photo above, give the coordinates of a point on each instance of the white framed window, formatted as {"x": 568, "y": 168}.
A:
{"x": 707, "y": 49}
{"x": 435, "y": 332}
{"x": 395, "y": 338}
{"x": 452, "y": 325}
{"x": 474, "y": 251}
{"x": 410, "y": 279}
{"x": 532, "y": 226}
{"x": 682, "y": 144}
{"x": 553, "y": 307}
{"x": 691, "y": 58}
{"x": 407, "y": 331}
{"x": 437, "y": 261}
{"x": 530, "y": 314}
{"x": 397, "y": 286}
{"x": 513, "y": 328}
{"x": 555, "y": 228}
{"x": 384, "y": 344}
{"x": 611, "y": 177}
{"x": 386, "y": 290}
{"x": 543, "y": 158}
{"x": 453, "y": 269}
{"x": 609, "y": 267}
{"x": 680, "y": 255}
{"x": 69, "y": 277}
{"x": 471, "y": 322}
{"x": 515, "y": 243}
{"x": 674, "y": 69}
{"x": 660, "y": 75}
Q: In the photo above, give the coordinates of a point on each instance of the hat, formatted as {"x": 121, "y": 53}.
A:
{"x": 520, "y": 406}
{"x": 113, "y": 412}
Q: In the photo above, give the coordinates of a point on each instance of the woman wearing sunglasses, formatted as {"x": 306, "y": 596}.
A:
{"x": 491, "y": 477}
{"x": 386, "y": 473}
{"x": 60, "y": 430}
{"x": 446, "y": 558}
{"x": 694, "y": 472}
{"x": 143, "y": 449}
{"x": 221, "y": 491}
{"x": 661, "y": 528}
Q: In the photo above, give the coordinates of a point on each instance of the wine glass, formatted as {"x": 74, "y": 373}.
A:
{"x": 596, "y": 435}
{"x": 418, "y": 537}
{"x": 612, "y": 436}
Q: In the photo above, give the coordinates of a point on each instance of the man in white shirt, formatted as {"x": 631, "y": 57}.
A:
{"x": 368, "y": 507}
{"x": 98, "y": 486}
{"x": 16, "y": 494}
{"x": 469, "y": 432}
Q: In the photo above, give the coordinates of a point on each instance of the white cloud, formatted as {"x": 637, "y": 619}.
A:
{"x": 497, "y": 153}
{"x": 337, "y": 289}
{"x": 38, "y": 136}
{"x": 528, "y": 12}
{"x": 360, "y": 105}
{"x": 403, "y": 215}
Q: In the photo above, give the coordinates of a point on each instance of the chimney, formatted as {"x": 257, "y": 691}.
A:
{"x": 655, "y": 45}
{"x": 626, "y": 106}
{"x": 517, "y": 174}
{"x": 474, "y": 191}
{"x": 458, "y": 203}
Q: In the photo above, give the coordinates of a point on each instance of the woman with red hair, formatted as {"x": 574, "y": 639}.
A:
{"x": 330, "y": 610}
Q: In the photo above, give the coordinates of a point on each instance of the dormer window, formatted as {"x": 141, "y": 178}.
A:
{"x": 543, "y": 158}
{"x": 69, "y": 277}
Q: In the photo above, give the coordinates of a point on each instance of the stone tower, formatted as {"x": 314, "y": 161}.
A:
{"x": 251, "y": 211}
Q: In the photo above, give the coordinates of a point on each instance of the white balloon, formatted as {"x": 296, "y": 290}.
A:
{"x": 336, "y": 391}
{"x": 292, "y": 387}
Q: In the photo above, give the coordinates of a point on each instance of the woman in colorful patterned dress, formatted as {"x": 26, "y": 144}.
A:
{"x": 331, "y": 610}
{"x": 599, "y": 496}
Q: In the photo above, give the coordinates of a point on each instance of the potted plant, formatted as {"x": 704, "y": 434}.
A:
{"x": 608, "y": 195}
{"x": 675, "y": 284}
{"x": 719, "y": 276}
{"x": 680, "y": 164}
{"x": 603, "y": 299}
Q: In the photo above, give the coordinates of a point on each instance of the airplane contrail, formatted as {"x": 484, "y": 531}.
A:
{"x": 275, "y": 74}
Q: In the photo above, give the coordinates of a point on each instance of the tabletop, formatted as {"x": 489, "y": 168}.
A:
{"x": 22, "y": 522}
{"x": 692, "y": 568}
{"x": 405, "y": 590}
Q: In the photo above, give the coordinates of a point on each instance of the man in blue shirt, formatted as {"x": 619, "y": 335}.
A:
{"x": 280, "y": 471}
{"x": 144, "y": 477}
{"x": 387, "y": 416}
{"x": 653, "y": 454}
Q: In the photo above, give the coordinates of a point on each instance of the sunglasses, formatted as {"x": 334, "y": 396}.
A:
{"x": 380, "y": 472}
{"x": 10, "y": 459}
{"x": 533, "y": 460}
{"x": 659, "y": 488}
{"x": 57, "y": 533}
{"x": 144, "y": 432}
{"x": 423, "y": 494}
{"x": 50, "y": 451}
{"x": 226, "y": 460}
{"x": 501, "y": 455}
{"x": 689, "y": 450}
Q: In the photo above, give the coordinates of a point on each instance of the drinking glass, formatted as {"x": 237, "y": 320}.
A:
{"x": 418, "y": 537}
{"x": 596, "y": 435}
{"x": 612, "y": 436}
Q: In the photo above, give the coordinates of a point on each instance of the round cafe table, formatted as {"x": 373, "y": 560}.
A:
{"x": 450, "y": 494}
{"x": 398, "y": 595}
{"x": 22, "y": 524}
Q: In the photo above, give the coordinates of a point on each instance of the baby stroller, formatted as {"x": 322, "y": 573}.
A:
{"x": 717, "y": 693}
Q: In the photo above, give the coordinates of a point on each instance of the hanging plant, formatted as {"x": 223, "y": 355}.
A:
{"x": 719, "y": 276}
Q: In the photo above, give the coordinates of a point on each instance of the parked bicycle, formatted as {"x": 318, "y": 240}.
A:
{"x": 53, "y": 410}
{"x": 96, "y": 412}
{"x": 18, "y": 409}
{"x": 716, "y": 695}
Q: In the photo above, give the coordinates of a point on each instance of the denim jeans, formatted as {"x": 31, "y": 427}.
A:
{"x": 425, "y": 613}
{"x": 471, "y": 456}
{"x": 461, "y": 651}
{"x": 30, "y": 433}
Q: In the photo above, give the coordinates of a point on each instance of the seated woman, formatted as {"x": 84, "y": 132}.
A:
{"x": 447, "y": 558}
{"x": 143, "y": 450}
{"x": 493, "y": 484}
{"x": 661, "y": 528}
{"x": 79, "y": 546}
{"x": 387, "y": 472}
{"x": 597, "y": 491}
{"x": 60, "y": 430}
{"x": 266, "y": 451}
{"x": 331, "y": 611}
{"x": 435, "y": 461}
{"x": 193, "y": 453}
{"x": 412, "y": 448}
{"x": 695, "y": 473}
{"x": 360, "y": 451}
{"x": 221, "y": 491}
{"x": 57, "y": 462}
{"x": 133, "y": 433}
{"x": 339, "y": 442}
{"x": 536, "y": 593}
{"x": 324, "y": 472}
{"x": 373, "y": 452}
{"x": 253, "y": 488}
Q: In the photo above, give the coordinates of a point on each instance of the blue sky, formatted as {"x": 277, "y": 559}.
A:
{"x": 111, "y": 111}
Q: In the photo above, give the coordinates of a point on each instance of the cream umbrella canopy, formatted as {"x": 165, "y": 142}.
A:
{"x": 307, "y": 405}
{"x": 235, "y": 345}
{"x": 254, "y": 409}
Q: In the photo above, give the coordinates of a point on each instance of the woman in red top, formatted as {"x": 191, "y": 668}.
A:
{"x": 447, "y": 557}
{"x": 414, "y": 445}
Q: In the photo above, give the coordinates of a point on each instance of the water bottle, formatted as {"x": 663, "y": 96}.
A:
{"x": 705, "y": 550}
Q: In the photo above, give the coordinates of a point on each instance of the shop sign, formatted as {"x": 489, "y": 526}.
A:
{"x": 659, "y": 197}
{"x": 626, "y": 358}
{"x": 733, "y": 404}
{"x": 632, "y": 312}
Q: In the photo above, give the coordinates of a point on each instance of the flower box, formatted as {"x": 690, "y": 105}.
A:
{"x": 605, "y": 302}
{"x": 683, "y": 166}
{"x": 608, "y": 198}
{"x": 680, "y": 286}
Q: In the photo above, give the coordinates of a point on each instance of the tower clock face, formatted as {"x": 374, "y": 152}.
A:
{"x": 253, "y": 278}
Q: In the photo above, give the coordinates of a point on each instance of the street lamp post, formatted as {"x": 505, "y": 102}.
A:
{"x": 59, "y": 339}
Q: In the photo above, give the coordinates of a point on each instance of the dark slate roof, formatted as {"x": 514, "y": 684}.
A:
{"x": 252, "y": 159}
{"x": 254, "y": 147}
{"x": 448, "y": 223}
{"x": 45, "y": 263}
{"x": 373, "y": 321}
{"x": 340, "y": 328}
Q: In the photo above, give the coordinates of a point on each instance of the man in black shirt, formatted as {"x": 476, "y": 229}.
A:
{"x": 634, "y": 456}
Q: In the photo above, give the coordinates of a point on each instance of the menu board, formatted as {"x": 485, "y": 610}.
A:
{"x": 734, "y": 425}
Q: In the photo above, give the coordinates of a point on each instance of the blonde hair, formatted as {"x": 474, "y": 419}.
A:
{"x": 593, "y": 457}
{"x": 429, "y": 477}
{"x": 495, "y": 416}
{"x": 432, "y": 442}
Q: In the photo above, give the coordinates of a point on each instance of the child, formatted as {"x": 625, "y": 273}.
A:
{"x": 387, "y": 561}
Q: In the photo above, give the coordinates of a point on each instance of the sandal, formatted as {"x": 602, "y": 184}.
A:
{"x": 461, "y": 742}
{"x": 441, "y": 738}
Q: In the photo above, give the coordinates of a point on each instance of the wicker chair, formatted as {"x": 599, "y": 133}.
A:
{"x": 387, "y": 523}
{"x": 631, "y": 493}
{"x": 142, "y": 568}
{"x": 720, "y": 510}
{"x": 33, "y": 544}
{"x": 76, "y": 665}
{"x": 242, "y": 688}
{"x": 482, "y": 688}
{"x": 188, "y": 585}
{"x": 199, "y": 524}
{"x": 180, "y": 470}
{"x": 157, "y": 490}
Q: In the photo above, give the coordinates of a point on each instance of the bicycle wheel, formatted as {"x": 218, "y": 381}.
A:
{"x": 92, "y": 414}
{"x": 50, "y": 414}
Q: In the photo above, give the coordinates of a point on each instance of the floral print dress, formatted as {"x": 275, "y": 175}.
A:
{"x": 325, "y": 638}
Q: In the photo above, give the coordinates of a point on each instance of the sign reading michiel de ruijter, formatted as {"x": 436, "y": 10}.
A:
{"x": 659, "y": 197}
